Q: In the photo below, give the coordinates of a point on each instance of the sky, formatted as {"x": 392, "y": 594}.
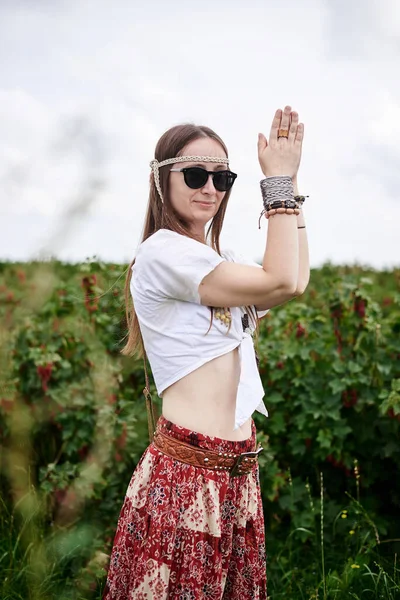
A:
{"x": 87, "y": 87}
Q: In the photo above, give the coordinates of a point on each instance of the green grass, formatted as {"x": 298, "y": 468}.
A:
{"x": 38, "y": 562}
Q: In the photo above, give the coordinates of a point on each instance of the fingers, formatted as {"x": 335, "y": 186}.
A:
{"x": 281, "y": 120}
{"x": 296, "y": 129}
{"x": 285, "y": 118}
{"x": 294, "y": 120}
{"x": 299, "y": 134}
{"x": 262, "y": 142}
{"x": 276, "y": 121}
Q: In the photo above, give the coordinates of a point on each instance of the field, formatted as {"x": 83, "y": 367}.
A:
{"x": 73, "y": 426}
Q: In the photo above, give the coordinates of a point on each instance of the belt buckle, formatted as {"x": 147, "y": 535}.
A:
{"x": 234, "y": 471}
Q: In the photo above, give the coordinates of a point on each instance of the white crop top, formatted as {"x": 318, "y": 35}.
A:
{"x": 165, "y": 279}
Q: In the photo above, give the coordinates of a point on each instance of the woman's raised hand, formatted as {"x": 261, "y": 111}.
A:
{"x": 282, "y": 157}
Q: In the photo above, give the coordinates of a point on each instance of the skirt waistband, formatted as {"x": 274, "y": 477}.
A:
{"x": 200, "y": 440}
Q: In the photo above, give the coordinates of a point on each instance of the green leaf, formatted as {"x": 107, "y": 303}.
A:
{"x": 324, "y": 438}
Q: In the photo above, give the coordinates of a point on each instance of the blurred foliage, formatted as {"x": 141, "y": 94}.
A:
{"x": 73, "y": 425}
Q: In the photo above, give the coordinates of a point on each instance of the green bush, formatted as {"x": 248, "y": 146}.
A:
{"x": 73, "y": 425}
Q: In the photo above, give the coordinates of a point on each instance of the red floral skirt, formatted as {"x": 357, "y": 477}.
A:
{"x": 189, "y": 533}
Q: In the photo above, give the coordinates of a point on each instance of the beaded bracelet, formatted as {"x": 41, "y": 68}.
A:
{"x": 296, "y": 203}
{"x": 281, "y": 204}
{"x": 281, "y": 210}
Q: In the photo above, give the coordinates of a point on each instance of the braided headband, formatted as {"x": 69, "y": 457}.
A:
{"x": 155, "y": 165}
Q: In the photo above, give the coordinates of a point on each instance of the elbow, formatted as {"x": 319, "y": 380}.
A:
{"x": 289, "y": 289}
{"x": 301, "y": 287}
{"x": 299, "y": 291}
{"x": 295, "y": 289}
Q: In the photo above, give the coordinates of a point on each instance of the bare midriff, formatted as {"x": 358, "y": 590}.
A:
{"x": 205, "y": 400}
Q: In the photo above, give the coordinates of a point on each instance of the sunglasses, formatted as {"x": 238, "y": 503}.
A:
{"x": 197, "y": 177}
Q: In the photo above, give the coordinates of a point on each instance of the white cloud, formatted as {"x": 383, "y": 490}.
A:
{"x": 384, "y": 126}
{"x": 100, "y": 82}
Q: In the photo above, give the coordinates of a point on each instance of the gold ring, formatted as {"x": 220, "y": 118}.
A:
{"x": 283, "y": 133}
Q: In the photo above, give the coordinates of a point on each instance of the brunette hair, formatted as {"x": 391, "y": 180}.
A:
{"x": 163, "y": 216}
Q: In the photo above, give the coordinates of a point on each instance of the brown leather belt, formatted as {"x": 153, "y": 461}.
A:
{"x": 236, "y": 464}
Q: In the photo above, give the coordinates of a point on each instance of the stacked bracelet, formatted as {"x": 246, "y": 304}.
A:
{"x": 278, "y": 197}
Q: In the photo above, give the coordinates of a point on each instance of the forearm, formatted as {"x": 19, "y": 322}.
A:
{"x": 304, "y": 259}
{"x": 281, "y": 257}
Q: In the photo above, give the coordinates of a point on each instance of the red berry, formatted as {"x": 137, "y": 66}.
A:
{"x": 44, "y": 372}
{"x": 349, "y": 398}
{"x": 300, "y": 331}
{"x": 83, "y": 451}
{"x": 360, "y": 306}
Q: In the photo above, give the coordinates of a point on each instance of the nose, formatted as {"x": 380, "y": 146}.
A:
{"x": 208, "y": 187}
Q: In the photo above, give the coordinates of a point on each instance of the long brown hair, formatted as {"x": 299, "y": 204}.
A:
{"x": 163, "y": 216}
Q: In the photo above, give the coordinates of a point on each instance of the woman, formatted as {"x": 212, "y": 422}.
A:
{"x": 191, "y": 526}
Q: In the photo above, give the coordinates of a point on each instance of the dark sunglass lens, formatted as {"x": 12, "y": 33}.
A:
{"x": 224, "y": 180}
{"x": 195, "y": 177}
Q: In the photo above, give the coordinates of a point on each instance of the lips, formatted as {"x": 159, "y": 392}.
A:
{"x": 206, "y": 203}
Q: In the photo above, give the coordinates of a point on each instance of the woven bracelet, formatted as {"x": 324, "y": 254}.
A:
{"x": 276, "y": 188}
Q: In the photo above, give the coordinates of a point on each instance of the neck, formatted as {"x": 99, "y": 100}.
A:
{"x": 200, "y": 235}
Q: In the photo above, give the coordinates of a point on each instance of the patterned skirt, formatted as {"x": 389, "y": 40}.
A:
{"x": 189, "y": 533}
